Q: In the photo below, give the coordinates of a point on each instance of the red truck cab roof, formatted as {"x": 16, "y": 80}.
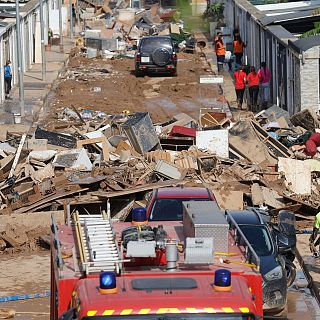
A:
{"x": 184, "y": 192}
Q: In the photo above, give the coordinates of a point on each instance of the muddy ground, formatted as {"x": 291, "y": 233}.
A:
{"x": 111, "y": 86}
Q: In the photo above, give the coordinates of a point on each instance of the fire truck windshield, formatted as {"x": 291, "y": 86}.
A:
{"x": 179, "y": 317}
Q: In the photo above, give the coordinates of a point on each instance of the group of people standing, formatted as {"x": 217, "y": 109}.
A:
{"x": 253, "y": 79}
{"x": 244, "y": 77}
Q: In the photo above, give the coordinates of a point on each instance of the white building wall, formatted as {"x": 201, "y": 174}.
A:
{"x": 8, "y": 44}
{"x": 309, "y": 75}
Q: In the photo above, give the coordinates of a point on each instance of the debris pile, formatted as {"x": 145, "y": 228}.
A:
{"x": 114, "y": 29}
{"x": 110, "y": 162}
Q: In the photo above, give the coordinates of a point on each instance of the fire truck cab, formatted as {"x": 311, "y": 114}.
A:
{"x": 200, "y": 268}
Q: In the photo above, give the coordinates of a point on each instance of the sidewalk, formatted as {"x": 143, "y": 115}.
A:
{"x": 36, "y": 90}
{"x": 228, "y": 85}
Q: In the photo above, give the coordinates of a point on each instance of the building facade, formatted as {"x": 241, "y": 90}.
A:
{"x": 294, "y": 65}
{"x": 30, "y": 30}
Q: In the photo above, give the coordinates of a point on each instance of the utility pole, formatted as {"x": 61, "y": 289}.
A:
{"x": 60, "y": 26}
{"x": 19, "y": 59}
{"x": 78, "y": 15}
{"x": 43, "y": 53}
{"x": 71, "y": 20}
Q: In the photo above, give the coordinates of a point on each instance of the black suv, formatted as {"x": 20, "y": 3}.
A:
{"x": 155, "y": 54}
{"x": 272, "y": 264}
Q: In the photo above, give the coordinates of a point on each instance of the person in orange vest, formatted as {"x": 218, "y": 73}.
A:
{"x": 238, "y": 47}
{"x": 216, "y": 38}
{"x": 220, "y": 51}
{"x": 253, "y": 80}
{"x": 240, "y": 85}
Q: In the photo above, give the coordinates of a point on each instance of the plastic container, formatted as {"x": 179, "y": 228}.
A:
{"x": 17, "y": 118}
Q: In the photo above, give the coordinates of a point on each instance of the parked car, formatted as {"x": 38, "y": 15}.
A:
{"x": 256, "y": 229}
{"x": 155, "y": 54}
{"x": 165, "y": 204}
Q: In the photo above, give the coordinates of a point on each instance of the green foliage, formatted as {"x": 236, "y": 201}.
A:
{"x": 191, "y": 23}
{"x": 214, "y": 12}
{"x": 313, "y": 32}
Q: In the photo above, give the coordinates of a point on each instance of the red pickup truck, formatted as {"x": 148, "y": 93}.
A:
{"x": 165, "y": 204}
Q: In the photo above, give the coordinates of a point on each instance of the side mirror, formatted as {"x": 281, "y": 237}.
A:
{"x": 282, "y": 243}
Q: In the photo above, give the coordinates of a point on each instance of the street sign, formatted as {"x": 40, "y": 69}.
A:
{"x": 211, "y": 79}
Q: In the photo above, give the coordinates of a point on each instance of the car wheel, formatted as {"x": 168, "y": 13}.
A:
{"x": 291, "y": 274}
{"x": 139, "y": 73}
{"x": 161, "y": 57}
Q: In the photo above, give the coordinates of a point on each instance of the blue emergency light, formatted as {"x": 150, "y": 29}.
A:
{"x": 139, "y": 216}
{"x": 107, "y": 282}
{"x": 222, "y": 280}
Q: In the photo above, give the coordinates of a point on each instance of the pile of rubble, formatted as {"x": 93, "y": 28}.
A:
{"x": 114, "y": 160}
{"x": 113, "y": 29}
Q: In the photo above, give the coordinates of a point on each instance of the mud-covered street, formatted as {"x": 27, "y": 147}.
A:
{"x": 111, "y": 86}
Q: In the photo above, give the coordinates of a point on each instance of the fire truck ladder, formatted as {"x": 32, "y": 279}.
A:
{"x": 98, "y": 249}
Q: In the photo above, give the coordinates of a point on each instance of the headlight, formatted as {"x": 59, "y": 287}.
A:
{"x": 274, "y": 274}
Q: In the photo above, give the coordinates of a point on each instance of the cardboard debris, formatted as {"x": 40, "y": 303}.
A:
{"x": 245, "y": 141}
{"x": 262, "y": 196}
{"x": 297, "y": 174}
{"x": 231, "y": 200}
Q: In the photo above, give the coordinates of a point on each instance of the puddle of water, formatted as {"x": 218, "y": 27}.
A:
{"x": 162, "y": 103}
{"x": 301, "y": 304}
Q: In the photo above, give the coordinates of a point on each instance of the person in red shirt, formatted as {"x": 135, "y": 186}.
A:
{"x": 240, "y": 84}
{"x": 253, "y": 80}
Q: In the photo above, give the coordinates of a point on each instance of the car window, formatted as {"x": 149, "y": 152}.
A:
{"x": 150, "y": 44}
{"x": 169, "y": 209}
{"x": 259, "y": 238}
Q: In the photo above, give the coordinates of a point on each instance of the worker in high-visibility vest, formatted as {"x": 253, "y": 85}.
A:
{"x": 238, "y": 48}
{"x": 313, "y": 241}
{"x": 220, "y": 51}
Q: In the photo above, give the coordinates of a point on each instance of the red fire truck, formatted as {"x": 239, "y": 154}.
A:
{"x": 201, "y": 267}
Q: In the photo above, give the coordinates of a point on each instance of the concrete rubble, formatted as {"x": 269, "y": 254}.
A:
{"x": 111, "y": 161}
{"x": 119, "y": 158}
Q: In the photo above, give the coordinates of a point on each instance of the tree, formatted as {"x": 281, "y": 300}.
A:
{"x": 316, "y": 26}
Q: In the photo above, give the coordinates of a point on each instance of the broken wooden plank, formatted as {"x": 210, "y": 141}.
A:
{"x": 103, "y": 140}
{"x": 182, "y": 119}
{"x": 77, "y": 112}
{"x": 146, "y": 187}
{"x": 17, "y": 156}
{"x": 58, "y": 195}
{"x": 273, "y": 144}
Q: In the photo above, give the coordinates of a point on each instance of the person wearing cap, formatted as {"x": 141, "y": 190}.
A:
{"x": 7, "y": 78}
{"x": 313, "y": 241}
